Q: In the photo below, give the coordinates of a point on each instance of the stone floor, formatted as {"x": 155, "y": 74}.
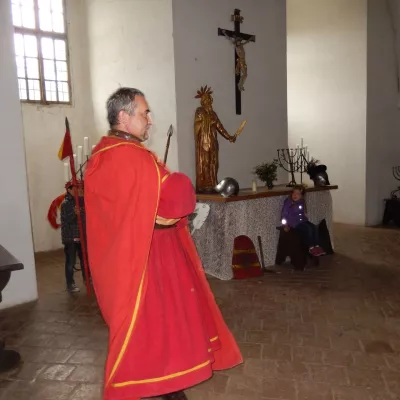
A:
{"x": 331, "y": 333}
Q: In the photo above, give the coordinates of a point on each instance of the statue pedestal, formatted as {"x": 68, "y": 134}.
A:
{"x": 252, "y": 214}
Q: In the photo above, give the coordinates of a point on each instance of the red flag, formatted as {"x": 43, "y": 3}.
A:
{"x": 66, "y": 146}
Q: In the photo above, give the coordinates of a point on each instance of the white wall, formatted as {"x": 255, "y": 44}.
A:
{"x": 15, "y": 226}
{"x": 204, "y": 58}
{"x": 44, "y": 130}
{"x": 327, "y": 93}
{"x": 383, "y": 118}
{"x": 131, "y": 44}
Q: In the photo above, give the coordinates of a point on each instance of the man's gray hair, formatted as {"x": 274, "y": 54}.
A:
{"x": 121, "y": 100}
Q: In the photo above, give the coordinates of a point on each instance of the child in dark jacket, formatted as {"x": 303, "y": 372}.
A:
{"x": 70, "y": 235}
{"x": 294, "y": 217}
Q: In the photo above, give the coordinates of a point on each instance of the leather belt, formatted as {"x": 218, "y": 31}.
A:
{"x": 158, "y": 226}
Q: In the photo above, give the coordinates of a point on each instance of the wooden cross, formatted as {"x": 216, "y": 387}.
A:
{"x": 236, "y": 34}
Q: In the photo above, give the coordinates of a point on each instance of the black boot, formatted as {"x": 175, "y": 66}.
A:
{"x": 175, "y": 396}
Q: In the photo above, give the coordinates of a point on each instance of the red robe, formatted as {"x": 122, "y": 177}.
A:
{"x": 166, "y": 331}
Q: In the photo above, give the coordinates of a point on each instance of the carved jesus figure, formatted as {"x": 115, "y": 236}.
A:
{"x": 206, "y": 127}
{"x": 241, "y": 66}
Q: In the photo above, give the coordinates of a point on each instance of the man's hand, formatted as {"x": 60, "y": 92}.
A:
{"x": 165, "y": 221}
{"x": 232, "y": 139}
{"x": 286, "y": 228}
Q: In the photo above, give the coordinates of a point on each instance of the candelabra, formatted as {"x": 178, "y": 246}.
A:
{"x": 81, "y": 157}
{"x": 396, "y": 175}
{"x": 294, "y": 160}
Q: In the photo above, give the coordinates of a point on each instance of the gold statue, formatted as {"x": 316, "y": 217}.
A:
{"x": 206, "y": 126}
{"x": 241, "y": 66}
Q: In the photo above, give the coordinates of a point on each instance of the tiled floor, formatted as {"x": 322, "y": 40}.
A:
{"x": 326, "y": 334}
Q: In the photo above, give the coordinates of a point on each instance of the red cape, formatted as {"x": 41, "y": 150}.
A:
{"x": 119, "y": 236}
{"x": 122, "y": 193}
{"x": 53, "y": 210}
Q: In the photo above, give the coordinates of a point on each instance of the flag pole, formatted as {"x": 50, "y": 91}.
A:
{"x": 78, "y": 213}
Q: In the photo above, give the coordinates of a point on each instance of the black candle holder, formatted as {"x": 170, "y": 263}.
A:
{"x": 292, "y": 161}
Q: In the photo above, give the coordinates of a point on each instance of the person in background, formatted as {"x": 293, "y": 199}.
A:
{"x": 70, "y": 234}
{"x": 294, "y": 216}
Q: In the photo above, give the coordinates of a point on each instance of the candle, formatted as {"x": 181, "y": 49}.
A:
{"x": 254, "y": 186}
{"x": 302, "y": 142}
{"x": 75, "y": 161}
{"x": 80, "y": 155}
{"x": 93, "y": 147}
{"x": 66, "y": 172}
{"x": 86, "y": 146}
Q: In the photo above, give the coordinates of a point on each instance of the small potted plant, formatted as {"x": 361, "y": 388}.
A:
{"x": 267, "y": 173}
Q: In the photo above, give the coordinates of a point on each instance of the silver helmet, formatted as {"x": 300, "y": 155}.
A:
{"x": 228, "y": 187}
{"x": 321, "y": 179}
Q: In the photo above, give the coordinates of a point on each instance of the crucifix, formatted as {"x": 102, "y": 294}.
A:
{"x": 238, "y": 39}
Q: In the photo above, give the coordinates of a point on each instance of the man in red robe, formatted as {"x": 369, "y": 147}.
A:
{"x": 166, "y": 331}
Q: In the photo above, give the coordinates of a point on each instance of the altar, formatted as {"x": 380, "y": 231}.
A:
{"x": 252, "y": 214}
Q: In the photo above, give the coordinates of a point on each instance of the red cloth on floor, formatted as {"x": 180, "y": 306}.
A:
{"x": 166, "y": 332}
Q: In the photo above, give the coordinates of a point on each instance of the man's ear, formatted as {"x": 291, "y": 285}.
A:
{"x": 122, "y": 117}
